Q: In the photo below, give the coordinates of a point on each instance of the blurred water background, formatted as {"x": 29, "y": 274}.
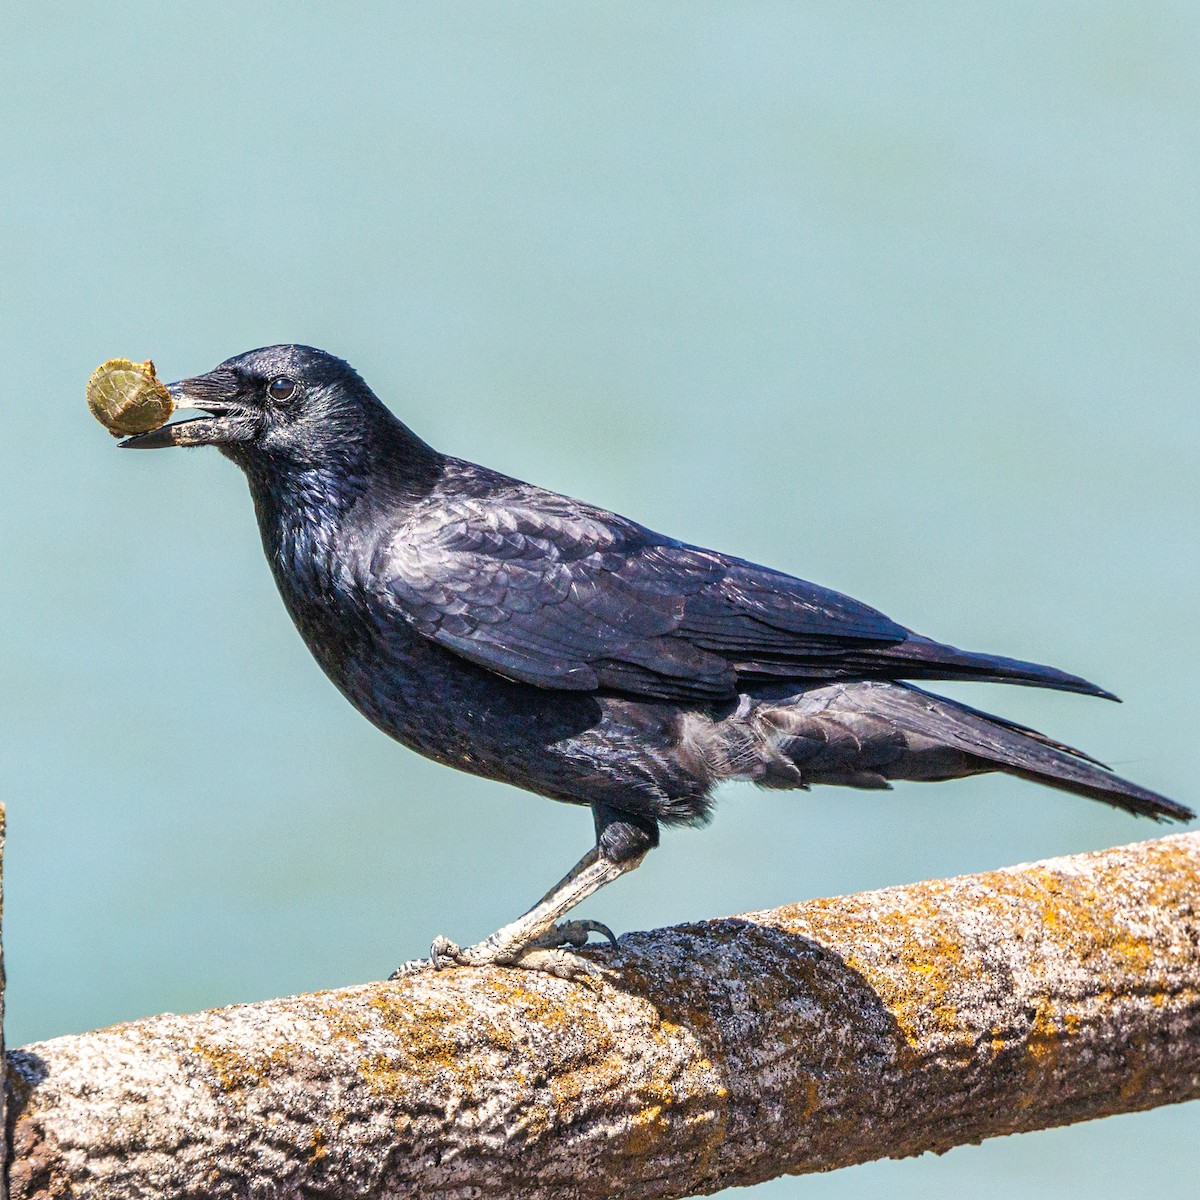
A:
{"x": 901, "y": 298}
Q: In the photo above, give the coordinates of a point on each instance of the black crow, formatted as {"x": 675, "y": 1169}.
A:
{"x": 524, "y": 636}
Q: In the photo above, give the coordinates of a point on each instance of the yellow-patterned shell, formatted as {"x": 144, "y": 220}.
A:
{"x": 127, "y": 397}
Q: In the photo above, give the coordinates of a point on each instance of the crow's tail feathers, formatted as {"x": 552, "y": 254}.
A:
{"x": 1017, "y": 750}
{"x": 865, "y": 733}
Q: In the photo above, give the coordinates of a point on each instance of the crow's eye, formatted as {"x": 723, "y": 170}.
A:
{"x": 281, "y": 388}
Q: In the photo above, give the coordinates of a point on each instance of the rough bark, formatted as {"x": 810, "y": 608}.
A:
{"x": 811, "y": 1037}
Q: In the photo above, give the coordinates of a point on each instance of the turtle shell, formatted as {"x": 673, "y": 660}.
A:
{"x": 127, "y": 397}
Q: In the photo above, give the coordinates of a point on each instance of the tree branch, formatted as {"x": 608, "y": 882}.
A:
{"x": 814, "y": 1036}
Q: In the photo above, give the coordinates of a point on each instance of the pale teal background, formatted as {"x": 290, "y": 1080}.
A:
{"x": 902, "y": 298}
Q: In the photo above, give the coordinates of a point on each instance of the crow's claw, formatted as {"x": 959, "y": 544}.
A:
{"x": 445, "y": 953}
{"x": 572, "y": 933}
{"x": 442, "y": 953}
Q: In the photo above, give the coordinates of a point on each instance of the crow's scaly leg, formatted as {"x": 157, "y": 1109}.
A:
{"x": 534, "y": 941}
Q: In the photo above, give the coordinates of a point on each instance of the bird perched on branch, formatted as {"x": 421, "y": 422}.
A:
{"x": 527, "y": 637}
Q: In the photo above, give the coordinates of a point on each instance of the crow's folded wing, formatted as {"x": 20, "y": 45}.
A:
{"x": 557, "y": 594}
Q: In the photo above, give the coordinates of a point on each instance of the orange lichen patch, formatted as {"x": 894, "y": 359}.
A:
{"x": 934, "y": 961}
{"x": 317, "y": 1147}
{"x": 383, "y": 1078}
{"x": 1139, "y": 1072}
{"x": 452, "y": 1042}
{"x": 589, "y": 1078}
{"x": 651, "y": 1123}
{"x": 343, "y": 1023}
{"x": 1043, "y": 1044}
{"x": 425, "y": 1050}
{"x": 1049, "y": 1048}
{"x": 1165, "y": 874}
{"x": 236, "y": 1071}
{"x": 511, "y": 987}
{"x": 917, "y": 977}
{"x": 812, "y": 1099}
{"x": 1077, "y": 918}
{"x": 446, "y": 1037}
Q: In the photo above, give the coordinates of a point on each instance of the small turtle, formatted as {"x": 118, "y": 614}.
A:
{"x": 127, "y": 397}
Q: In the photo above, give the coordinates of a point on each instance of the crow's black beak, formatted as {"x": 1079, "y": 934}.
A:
{"x": 224, "y": 421}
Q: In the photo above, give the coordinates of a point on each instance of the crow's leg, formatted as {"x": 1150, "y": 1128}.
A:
{"x": 535, "y": 940}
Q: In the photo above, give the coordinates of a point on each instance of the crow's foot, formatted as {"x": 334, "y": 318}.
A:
{"x": 542, "y": 953}
{"x": 571, "y": 933}
{"x": 546, "y": 952}
{"x": 537, "y": 940}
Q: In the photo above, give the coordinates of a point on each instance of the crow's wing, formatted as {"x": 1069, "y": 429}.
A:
{"x": 559, "y": 594}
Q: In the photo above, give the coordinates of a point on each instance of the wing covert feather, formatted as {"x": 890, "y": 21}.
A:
{"x": 557, "y": 594}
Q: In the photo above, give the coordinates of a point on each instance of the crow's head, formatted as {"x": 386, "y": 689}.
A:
{"x": 287, "y": 405}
